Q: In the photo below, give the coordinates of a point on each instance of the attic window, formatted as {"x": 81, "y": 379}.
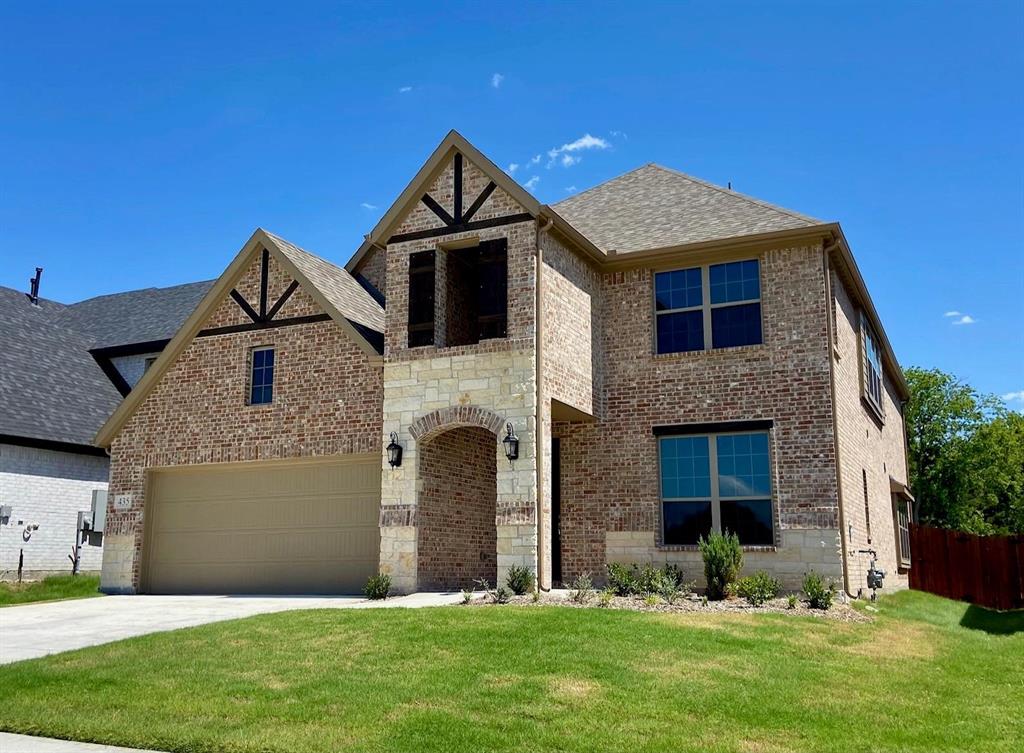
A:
{"x": 261, "y": 382}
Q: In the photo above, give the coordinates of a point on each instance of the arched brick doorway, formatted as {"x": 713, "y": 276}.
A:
{"x": 457, "y": 535}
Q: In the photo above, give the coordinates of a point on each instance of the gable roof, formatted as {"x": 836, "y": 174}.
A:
{"x": 136, "y": 316}
{"x": 655, "y": 207}
{"x": 51, "y": 389}
{"x": 344, "y": 300}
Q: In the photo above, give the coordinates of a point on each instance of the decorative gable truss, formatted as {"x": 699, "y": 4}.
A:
{"x": 262, "y": 317}
{"x": 460, "y": 220}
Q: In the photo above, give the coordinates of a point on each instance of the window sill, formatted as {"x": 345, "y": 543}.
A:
{"x": 712, "y": 352}
{"x": 694, "y": 548}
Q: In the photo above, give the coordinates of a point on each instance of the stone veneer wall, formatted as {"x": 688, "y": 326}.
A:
{"x": 866, "y": 444}
{"x": 610, "y": 479}
{"x": 327, "y": 401}
{"x": 495, "y": 379}
{"x": 456, "y": 509}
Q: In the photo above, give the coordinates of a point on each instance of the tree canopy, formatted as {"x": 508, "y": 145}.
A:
{"x": 966, "y": 455}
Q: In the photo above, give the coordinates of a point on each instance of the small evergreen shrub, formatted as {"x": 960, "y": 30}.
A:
{"x": 519, "y": 580}
{"x": 758, "y": 588}
{"x": 536, "y": 595}
{"x": 378, "y": 586}
{"x": 581, "y": 589}
{"x": 791, "y": 601}
{"x": 502, "y": 595}
{"x": 651, "y": 600}
{"x": 621, "y": 579}
{"x": 467, "y": 596}
{"x": 604, "y": 599}
{"x": 723, "y": 559}
{"x": 820, "y": 592}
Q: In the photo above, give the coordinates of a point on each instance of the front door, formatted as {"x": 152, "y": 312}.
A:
{"x": 556, "y": 512}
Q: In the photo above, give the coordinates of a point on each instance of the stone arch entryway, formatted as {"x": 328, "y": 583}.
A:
{"x": 456, "y": 529}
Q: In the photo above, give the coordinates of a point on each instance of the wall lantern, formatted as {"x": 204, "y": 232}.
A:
{"x": 511, "y": 442}
{"x": 394, "y": 451}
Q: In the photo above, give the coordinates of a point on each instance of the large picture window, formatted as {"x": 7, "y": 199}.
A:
{"x": 718, "y": 306}
{"x": 718, "y": 482}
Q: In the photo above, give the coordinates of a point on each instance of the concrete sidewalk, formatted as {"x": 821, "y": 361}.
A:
{"x": 26, "y": 744}
{"x": 31, "y": 630}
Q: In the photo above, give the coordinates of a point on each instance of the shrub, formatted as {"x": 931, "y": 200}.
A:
{"x": 378, "y": 586}
{"x": 519, "y": 580}
{"x": 758, "y": 588}
{"x": 501, "y": 595}
{"x": 723, "y": 559}
{"x": 604, "y": 599}
{"x": 536, "y": 595}
{"x": 467, "y": 596}
{"x": 621, "y": 579}
{"x": 791, "y": 601}
{"x": 581, "y": 589}
{"x": 820, "y": 592}
{"x": 651, "y": 600}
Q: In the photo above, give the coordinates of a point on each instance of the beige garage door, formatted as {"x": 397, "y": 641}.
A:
{"x": 271, "y": 528}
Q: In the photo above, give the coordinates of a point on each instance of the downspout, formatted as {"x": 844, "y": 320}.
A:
{"x": 829, "y": 306}
{"x": 542, "y": 580}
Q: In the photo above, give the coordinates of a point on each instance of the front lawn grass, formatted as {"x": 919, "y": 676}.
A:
{"x": 541, "y": 678}
{"x": 50, "y": 589}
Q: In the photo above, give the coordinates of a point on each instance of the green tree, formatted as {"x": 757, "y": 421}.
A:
{"x": 966, "y": 455}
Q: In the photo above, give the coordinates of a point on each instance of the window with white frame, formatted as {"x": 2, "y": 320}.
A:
{"x": 717, "y": 306}
{"x": 872, "y": 357}
{"x": 261, "y": 381}
{"x": 718, "y": 482}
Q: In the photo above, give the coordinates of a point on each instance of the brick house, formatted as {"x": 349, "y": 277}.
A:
{"x": 672, "y": 357}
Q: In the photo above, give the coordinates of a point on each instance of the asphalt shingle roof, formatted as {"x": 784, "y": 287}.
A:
{"x": 136, "y": 316}
{"x": 655, "y": 207}
{"x": 50, "y": 387}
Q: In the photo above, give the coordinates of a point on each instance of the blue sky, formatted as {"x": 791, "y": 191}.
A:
{"x": 140, "y": 145}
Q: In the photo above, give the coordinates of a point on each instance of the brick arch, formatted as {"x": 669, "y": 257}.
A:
{"x": 453, "y": 416}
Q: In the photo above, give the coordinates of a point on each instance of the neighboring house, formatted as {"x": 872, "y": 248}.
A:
{"x": 65, "y": 370}
{"x": 672, "y": 358}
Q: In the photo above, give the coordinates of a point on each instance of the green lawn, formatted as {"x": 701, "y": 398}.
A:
{"x": 927, "y": 675}
{"x": 49, "y": 589}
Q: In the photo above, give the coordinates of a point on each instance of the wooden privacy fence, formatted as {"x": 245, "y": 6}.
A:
{"x": 984, "y": 570}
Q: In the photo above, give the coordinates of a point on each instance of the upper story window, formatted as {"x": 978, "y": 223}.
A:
{"x": 872, "y": 358}
{"x": 261, "y": 380}
{"x": 719, "y": 304}
{"x": 474, "y": 295}
{"x": 718, "y": 482}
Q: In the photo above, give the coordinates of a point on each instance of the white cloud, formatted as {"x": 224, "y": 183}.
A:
{"x": 952, "y": 313}
{"x": 496, "y": 80}
{"x": 404, "y": 89}
{"x": 532, "y": 183}
{"x": 965, "y": 319}
{"x": 1014, "y": 397}
{"x": 512, "y": 167}
{"x": 584, "y": 142}
{"x": 368, "y": 205}
{"x": 619, "y": 135}
{"x": 535, "y": 160}
{"x": 570, "y": 189}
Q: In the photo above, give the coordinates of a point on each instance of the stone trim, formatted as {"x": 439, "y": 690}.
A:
{"x": 397, "y": 515}
{"x": 514, "y": 515}
{"x": 453, "y": 416}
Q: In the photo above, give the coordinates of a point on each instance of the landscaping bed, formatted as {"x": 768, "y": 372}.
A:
{"x": 687, "y": 603}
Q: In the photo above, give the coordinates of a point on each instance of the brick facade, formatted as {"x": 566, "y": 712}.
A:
{"x": 868, "y": 445}
{"x": 456, "y": 510}
{"x": 327, "y": 402}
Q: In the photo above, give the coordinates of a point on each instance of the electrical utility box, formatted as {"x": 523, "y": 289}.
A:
{"x": 99, "y": 510}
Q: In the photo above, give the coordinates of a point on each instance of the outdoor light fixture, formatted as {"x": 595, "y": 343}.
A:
{"x": 511, "y": 442}
{"x": 394, "y": 451}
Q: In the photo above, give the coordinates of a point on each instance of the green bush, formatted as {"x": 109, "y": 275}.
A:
{"x": 758, "y": 588}
{"x": 378, "y": 586}
{"x": 501, "y": 595}
{"x": 792, "y": 601}
{"x": 519, "y": 580}
{"x": 604, "y": 598}
{"x": 820, "y": 592}
{"x": 723, "y": 559}
{"x": 621, "y": 579}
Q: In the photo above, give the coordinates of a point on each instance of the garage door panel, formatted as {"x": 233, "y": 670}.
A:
{"x": 264, "y": 527}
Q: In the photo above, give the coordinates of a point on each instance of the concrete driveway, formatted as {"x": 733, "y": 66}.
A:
{"x": 31, "y": 630}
